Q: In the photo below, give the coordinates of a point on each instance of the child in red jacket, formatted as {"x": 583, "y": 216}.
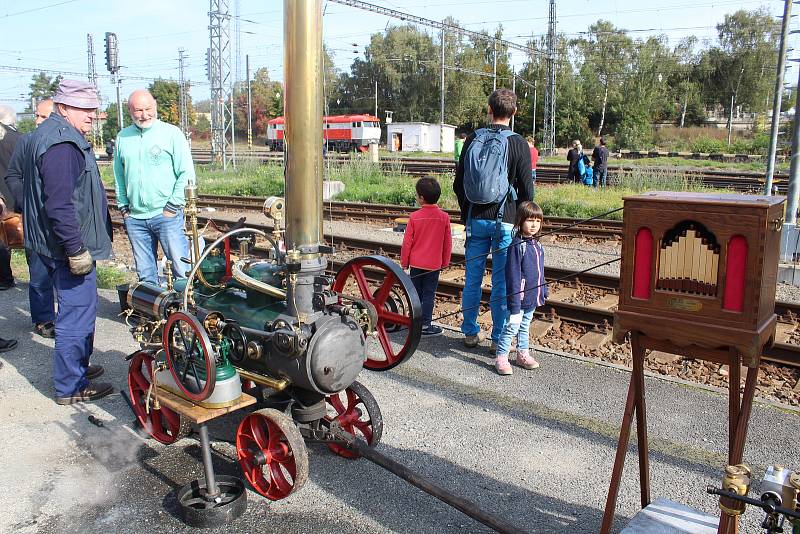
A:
{"x": 427, "y": 245}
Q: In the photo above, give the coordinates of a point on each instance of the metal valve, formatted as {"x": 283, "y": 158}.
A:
{"x": 736, "y": 480}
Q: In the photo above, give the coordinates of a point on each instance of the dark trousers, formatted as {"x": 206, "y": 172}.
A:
{"x": 40, "y": 290}
{"x": 425, "y": 283}
{"x": 77, "y": 311}
{"x": 600, "y": 177}
{"x": 6, "y": 276}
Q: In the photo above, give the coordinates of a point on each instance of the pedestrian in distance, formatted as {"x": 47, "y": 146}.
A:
{"x": 110, "y": 148}
{"x": 40, "y": 289}
{"x": 9, "y": 137}
{"x": 584, "y": 169}
{"x": 493, "y": 177}
{"x": 573, "y": 156}
{"x": 600, "y": 159}
{"x": 152, "y": 165}
{"x": 534, "y": 160}
{"x": 526, "y": 288}
{"x": 459, "y": 146}
{"x": 427, "y": 245}
{"x": 66, "y": 220}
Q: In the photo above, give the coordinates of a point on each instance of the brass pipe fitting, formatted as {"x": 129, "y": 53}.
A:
{"x": 736, "y": 480}
{"x": 278, "y": 384}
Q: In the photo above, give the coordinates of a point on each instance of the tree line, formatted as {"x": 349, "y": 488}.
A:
{"x": 607, "y": 81}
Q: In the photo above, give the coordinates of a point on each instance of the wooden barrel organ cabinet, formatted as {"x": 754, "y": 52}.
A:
{"x": 698, "y": 278}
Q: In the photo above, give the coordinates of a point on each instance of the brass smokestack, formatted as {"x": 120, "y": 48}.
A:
{"x": 303, "y": 111}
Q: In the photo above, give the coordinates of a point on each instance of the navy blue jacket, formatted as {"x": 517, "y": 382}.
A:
{"x": 525, "y": 270}
{"x": 65, "y": 206}
{"x": 13, "y": 176}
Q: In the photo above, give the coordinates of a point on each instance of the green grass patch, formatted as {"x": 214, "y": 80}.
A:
{"x": 107, "y": 277}
{"x": 366, "y": 182}
{"x": 580, "y": 201}
{"x": 681, "y": 163}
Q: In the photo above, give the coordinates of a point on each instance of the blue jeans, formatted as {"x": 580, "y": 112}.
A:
{"x": 40, "y": 290}
{"x": 77, "y": 311}
{"x": 484, "y": 236}
{"x": 146, "y": 234}
{"x": 600, "y": 177}
{"x": 533, "y": 177}
{"x": 425, "y": 282}
{"x": 520, "y": 331}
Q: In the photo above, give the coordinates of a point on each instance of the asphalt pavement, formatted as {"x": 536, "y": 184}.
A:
{"x": 536, "y": 448}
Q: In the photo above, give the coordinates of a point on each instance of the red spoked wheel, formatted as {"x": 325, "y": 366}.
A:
{"x": 382, "y": 283}
{"x": 272, "y": 453}
{"x": 190, "y": 356}
{"x": 163, "y": 424}
{"x": 357, "y": 412}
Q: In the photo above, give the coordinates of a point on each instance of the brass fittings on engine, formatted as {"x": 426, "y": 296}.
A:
{"x": 736, "y": 480}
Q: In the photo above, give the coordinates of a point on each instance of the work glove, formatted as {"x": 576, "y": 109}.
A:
{"x": 81, "y": 263}
{"x": 515, "y": 318}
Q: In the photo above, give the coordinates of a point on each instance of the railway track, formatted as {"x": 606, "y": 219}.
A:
{"x": 742, "y": 181}
{"x": 385, "y": 214}
{"x": 598, "y": 314}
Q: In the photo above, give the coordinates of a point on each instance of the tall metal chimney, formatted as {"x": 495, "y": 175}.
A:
{"x": 303, "y": 142}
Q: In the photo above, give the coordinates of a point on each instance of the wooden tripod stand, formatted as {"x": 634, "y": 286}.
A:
{"x": 738, "y": 417}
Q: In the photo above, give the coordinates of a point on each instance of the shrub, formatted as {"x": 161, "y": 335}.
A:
{"x": 709, "y": 145}
{"x": 634, "y": 133}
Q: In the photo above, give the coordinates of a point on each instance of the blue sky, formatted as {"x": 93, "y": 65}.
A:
{"x": 51, "y": 34}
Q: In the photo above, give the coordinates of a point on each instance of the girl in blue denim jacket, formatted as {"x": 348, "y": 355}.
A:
{"x": 525, "y": 286}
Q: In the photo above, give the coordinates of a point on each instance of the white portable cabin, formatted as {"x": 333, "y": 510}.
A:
{"x": 418, "y": 136}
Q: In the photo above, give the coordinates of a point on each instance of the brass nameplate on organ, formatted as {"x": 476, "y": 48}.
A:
{"x": 685, "y": 304}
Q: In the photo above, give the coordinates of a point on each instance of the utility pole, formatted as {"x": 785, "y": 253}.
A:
{"x": 249, "y": 105}
{"x": 533, "y": 113}
{"x": 441, "y": 98}
{"x": 794, "y": 172}
{"x": 494, "y": 65}
{"x": 112, "y": 65}
{"x": 237, "y": 40}
{"x": 183, "y": 94}
{"x": 549, "y": 140}
{"x": 376, "y": 97}
{"x": 219, "y": 66}
{"x": 776, "y": 102}
{"x": 97, "y": 131}
{"x": 513, "y": 90}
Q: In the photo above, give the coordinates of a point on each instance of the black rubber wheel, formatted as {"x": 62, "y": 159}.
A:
{"x": 197, "y": 509}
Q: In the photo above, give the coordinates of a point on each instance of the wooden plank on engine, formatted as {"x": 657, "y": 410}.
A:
{"x": 199, "y": 414}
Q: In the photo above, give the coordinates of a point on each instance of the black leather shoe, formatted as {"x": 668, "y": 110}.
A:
{"x": 94, "y": 371}
{"x": 47, "y": 330}
{"x": 7, "y": 344}
{"x": 7, "y": 285}
{"x": 87, "y": 394}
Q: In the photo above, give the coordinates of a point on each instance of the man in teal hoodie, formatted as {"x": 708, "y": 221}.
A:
{"x": 152, "y": 164}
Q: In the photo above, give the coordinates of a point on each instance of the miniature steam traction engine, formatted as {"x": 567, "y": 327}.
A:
{"x": 698, "y": 278}
{"x": 277, "y": 331}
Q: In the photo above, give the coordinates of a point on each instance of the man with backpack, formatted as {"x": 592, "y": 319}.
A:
{"x": 493, "y": 177}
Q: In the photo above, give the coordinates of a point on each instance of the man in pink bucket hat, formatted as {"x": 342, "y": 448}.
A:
{"x": 67, "y": 224}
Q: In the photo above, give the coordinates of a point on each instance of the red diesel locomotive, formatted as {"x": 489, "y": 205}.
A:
{"x": 343, "y": 133}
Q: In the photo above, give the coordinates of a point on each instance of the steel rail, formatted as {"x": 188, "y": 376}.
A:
{"x": 780, "y": 353}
